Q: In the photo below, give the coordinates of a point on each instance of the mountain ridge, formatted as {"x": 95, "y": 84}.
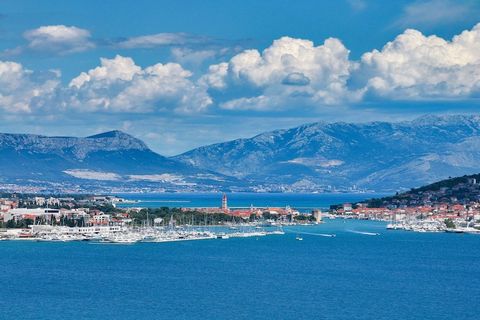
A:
{"x": 313, "y": 157}
{"x": 109, "y": 159}
{"x": 372, "y": 155}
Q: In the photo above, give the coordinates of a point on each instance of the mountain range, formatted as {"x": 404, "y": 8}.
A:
{"x": 109, "y": 160}
{"x": 380, "y": 156}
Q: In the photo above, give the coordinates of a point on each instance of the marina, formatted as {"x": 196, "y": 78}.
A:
{"x": 131, "y": 235}
{"x": 431, "y": 225}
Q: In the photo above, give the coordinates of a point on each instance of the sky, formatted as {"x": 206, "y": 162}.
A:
{"x": 182, "y": 74}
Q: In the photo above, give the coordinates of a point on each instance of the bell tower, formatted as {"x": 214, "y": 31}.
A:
{"x": 224, "y": 202}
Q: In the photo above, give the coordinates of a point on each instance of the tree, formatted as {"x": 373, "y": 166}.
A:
{"x": 449, "y": 223}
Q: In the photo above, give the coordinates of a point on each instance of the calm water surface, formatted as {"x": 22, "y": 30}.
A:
{"x": 396, "y": 275}
{"x": 301, "y": 201}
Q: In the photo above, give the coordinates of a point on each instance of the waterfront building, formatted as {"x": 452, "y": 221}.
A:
{"x": 317, "y": 214}
{"x": 24, "y": 213}
{"x": 100, "y": 219}
{"x": 46, "y": 229}
{"x": 347, "y": 208}
{"x": 240, "y": 213}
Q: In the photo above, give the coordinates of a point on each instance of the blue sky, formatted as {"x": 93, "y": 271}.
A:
{"x": 180, "y": 74}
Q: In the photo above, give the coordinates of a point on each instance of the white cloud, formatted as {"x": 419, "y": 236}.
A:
{"x": 289, "y": 68}
{"x": 111, "y": 71}
{"x": 296, "y": 79}
{"x": 162, "y": 39}
{"x": 163, "y": 177}
{"x": 426, "y": 13}
{"x": 187, "y": 56}
{"x": 22, "y": 90}
{"x": 289, "y": 74}
{"x": 260, "y": 103}
{"x": 119, "y": 85}
{"x": 59, "y": 39}
{"x": 415, "y": 66}
{"x": 216, "y": 76}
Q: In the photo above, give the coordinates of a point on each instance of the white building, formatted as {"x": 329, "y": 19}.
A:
{"x": 21, "y": 213}
{"x": 101, "y": 219}
{"x": 39, "y": 201}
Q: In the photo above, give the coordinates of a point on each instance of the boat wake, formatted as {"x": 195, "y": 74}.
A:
{"x": 364, "y": 233}
{"x": 328, "y": 235}
{"x": 108, "y": 243}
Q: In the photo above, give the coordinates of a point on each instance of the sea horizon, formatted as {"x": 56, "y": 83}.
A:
{"x": 300, "y": 201}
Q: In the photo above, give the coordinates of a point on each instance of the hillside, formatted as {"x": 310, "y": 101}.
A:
{"x": 317, "y": 157}
{"x": 458, "y": 190}
{"x": 380, "y": 156}
{"x": 112, "y": 159}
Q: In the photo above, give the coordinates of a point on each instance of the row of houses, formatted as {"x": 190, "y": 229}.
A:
{"x": 49, "y": 216}
{"x": 436, "y": 211}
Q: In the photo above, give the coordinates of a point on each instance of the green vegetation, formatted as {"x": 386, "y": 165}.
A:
{"x": 19, "y": 224}
{"x": 303, "y": 218}
{"x": 192, "y": 217}
{"x": 449, "y": 223}
{"x": 451, "y": 190}
{"x": 448, "y": 183}
{"x": 180, "y": 217}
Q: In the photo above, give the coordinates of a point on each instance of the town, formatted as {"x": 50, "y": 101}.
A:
{"x": 100, "y": 218}
{"x": 451, "y": 205}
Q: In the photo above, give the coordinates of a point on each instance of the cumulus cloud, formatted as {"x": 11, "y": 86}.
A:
{"x": 59, "y": 39}
{"x": 119, "y": 85}
{"x": 294, "y": 72}
{"x": 288, "y": 68}
{"x": 111, "y": 71}
{"x": 415, "y": 66}
{"x": 22, "y": 90}
{"x": 296, "y": 79}
{"x": 289, "y": 74}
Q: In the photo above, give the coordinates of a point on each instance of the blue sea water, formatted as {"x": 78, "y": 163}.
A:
{"x": 300, "y": 201}
{"x": 396, "y": 275}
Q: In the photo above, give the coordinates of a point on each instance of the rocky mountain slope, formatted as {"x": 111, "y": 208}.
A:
{"x": 112, "y": 158}
{"x": 378, "y": 155}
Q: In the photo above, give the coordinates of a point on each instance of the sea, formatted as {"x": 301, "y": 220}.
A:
{"x": 364, "y": 272}
{"x": 301, "y": 201}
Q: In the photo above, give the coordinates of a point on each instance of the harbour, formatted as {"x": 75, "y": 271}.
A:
{"x": 131, "y": 235}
